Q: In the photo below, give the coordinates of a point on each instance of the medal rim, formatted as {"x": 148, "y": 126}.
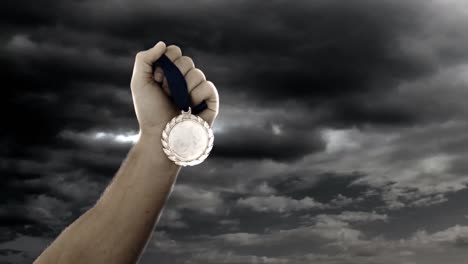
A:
{"x": 184, "y": 116}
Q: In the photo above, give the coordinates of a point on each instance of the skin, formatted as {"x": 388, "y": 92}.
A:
{"x": 118, "y": 227}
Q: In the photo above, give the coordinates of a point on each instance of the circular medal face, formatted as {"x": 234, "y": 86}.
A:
{"x": 187, "y": 139}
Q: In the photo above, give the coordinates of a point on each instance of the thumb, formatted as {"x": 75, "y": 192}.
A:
{"x": 144, "y": 60}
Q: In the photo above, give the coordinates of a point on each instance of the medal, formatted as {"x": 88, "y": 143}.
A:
{"x": 187, "y": 139}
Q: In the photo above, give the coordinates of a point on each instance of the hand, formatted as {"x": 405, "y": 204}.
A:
{"x": 150, "y": 91}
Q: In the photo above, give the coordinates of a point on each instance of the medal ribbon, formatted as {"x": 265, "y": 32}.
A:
{"x": 177, "y": 85}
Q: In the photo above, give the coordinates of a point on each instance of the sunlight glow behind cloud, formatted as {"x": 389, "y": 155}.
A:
{"x": 121, "y": 138}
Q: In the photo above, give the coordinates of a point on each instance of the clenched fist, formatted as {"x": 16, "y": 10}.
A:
{"x": 150, "y": 90}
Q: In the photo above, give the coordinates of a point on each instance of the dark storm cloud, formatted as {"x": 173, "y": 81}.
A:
{"x": 323, "y": 186}
{"x": 40, "y": 196}
{"x": 49, "y": 99}
{"x": 266, "y": 143}
{"x": 328, "y": 58}
{"x": 23, "y": 13}
{"x": 345, "y": 55}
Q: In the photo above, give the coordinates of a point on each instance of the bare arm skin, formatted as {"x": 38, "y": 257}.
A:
{"x": 118, "y": 227}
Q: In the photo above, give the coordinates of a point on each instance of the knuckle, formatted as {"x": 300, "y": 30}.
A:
{"x": 139, "y": 55}
{"x": 210, "y": 84}
{"x": 186, "y": 60}
{"x": 174, "y": 48}
{"x": 199, "y": 73}
{"x": 213, "y": 91}
{"x": 185, "y": 64}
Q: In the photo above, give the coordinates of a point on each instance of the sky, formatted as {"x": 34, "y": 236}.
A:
{"x": 341, "y": 136}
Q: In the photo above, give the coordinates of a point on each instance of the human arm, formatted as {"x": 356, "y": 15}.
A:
{"x": 117, "y": 228}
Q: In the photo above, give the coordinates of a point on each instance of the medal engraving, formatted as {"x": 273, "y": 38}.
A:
{"x": 187, "y": 139}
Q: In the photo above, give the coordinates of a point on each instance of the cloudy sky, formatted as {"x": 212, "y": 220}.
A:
{"x": 341, "y": 136}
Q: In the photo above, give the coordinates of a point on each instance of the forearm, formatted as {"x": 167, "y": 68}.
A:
{"x": 136, "y": 197}
{"x": 118, "y": 227}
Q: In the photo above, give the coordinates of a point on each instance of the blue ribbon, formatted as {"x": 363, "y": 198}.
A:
{"x": 178, "y": 86}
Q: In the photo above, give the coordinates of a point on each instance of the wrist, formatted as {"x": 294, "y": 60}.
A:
{"x": 153, "y": 132}
{"x": 151, "y": 139}
{"x": 149, "y": 142}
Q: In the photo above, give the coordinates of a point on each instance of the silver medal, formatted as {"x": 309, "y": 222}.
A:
{"x": 187, "y": 139}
